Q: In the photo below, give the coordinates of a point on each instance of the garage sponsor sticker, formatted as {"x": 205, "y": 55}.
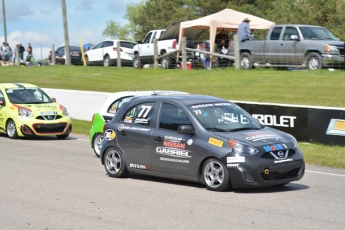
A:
{"x": 235, "y": 159}
{"x": 109, "y": 134}
{"x": 215, "y": 142}
{"x": 124, "y": 127}
{"x": 261, "y": 135}
{"x": 173, "y": 152}
{"x": 174, "y": 160}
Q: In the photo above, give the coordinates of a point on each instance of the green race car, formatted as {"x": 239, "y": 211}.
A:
{"x": 26, "y": 110}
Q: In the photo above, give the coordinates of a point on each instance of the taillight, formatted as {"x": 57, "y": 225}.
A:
{"x": 174, "y": 44}
{"x": 115, "y": 49}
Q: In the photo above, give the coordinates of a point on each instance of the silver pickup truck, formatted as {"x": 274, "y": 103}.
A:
{"x": 302, "y": 46}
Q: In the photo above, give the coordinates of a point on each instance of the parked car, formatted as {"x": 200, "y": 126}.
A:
{"x": 198, "y": 138}
{"x": 76, "y": 56}
{"x": 105, "y": 53}
{"x": 108, "y": 110}
{"x": 26, "y": 110}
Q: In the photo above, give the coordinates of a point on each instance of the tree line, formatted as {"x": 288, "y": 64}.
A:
{"x": 158, "y": 14}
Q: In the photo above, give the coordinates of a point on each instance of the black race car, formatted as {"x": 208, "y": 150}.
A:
{"x": 198, "y": 138}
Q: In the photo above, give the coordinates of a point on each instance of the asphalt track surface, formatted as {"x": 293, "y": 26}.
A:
{"x": 47, "y": 183}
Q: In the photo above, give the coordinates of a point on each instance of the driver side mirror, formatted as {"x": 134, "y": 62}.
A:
{"x": 294, "y": 37}
{"x": 54, "y": 99}
{"x": 185, "y": 129}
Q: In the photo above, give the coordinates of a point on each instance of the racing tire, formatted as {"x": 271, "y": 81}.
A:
{"x": 97, "y": 143}
{"x": 136, "y": 63}
{"x": 106, "y": 61}
{"x": 115, "y": 163}
{"x": 314, "y": 61}
{"x": 246, "y": 61}
{"x": 63, "y": 136}
{"x": 11, "y": 129}
{"x": 215, "y": 175}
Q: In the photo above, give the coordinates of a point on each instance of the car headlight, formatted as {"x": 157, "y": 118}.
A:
{"x": 331, "y": 49}
{"x": 24, "y": 112}
{"x": 64, "y": 110}
{"x": 240, "y": 148}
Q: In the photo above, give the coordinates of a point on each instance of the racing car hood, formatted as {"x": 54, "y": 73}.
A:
{"x": 258, "y": 138}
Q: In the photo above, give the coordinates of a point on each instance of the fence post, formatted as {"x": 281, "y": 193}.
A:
{"x": 237, "y": 52}
{"x": 118, "y": 49}
{"x": 17, "y": 56}
{"x": 53, "y": 55}
{"x": 155, "y": 52}
{"x": 184, "y": 53}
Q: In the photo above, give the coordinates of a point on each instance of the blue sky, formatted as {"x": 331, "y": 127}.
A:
{"x": 39, "y": 22}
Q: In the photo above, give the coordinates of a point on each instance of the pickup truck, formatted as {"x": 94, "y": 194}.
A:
{"x": 302, "y": 46}
{"x": 167, "y": 41}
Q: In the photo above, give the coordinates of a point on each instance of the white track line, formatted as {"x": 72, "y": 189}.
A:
{"x": 332, "y": 174}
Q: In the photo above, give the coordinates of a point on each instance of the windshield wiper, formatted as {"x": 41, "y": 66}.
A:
{"x": 216, "y": 129}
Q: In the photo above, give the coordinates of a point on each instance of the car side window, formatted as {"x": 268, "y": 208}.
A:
{"x": 147, "y": 38}
{"x": 140, "y": 114}
{"x": 98, "y": 46}
{"x": 276, "y": 33}
{"x": 2, "y": 98}
{"x": 171, "y": 117}
{"x": 117, "y": 104}
{"x": 288, "y": 32}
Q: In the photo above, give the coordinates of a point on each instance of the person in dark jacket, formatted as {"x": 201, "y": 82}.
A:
{"x": 21, "y": 51}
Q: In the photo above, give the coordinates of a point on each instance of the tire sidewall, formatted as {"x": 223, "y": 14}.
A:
{"x": 226, "y": 183}
{"x": 136, "y": 64}
{"x": 94, "y": 143}
{"x": 249, "y": 57}
{"x": 316, "y": 56}
{"x": 15, "y": 135}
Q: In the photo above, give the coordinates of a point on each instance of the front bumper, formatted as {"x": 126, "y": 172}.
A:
{"x": 263, "y": 176}
{"x": 329, "y": 60}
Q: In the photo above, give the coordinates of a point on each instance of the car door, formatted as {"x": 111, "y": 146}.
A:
{"x": 147, "y": 50}
{"x": 108, "y": 48}
{"x": 95, "y": 55}
{"x": 291, "y": 51}
{"x": 273, "y": 46}
{"x": 2, "y": 111}
{"x": 172, "y": 152}
{"x": 134, "y": 133}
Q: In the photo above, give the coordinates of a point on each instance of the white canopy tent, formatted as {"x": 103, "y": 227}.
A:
{"x": 227, "y": 19}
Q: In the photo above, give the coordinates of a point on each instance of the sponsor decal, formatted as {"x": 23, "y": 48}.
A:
{"x": 128, "y": 120}
{"x": 48, "y": 113}
{"x": 215, "y": 142}
{"x": 122, "y": 126}
{"x": 258, "y": 136}
{"x": 109, "y": 134}
{"x": 235, "y": 159}
{"x": 273, "y": 120}
{"x": 174, "y": 160}
{"x": 141, "y": 121}
{"x": 190, "y": 142}
{"x": 12, "y": 107}
{"x": 282, "y": 161}
{"x": 173, "y": 152}
{"x": 138, "y": 166}
{"x": 336, "y": 127}
{"x": 174, "y": 144}
{"x": 232, "y": 165}
{"x": 175, "y": 139}
{"x": 275, "y": 147}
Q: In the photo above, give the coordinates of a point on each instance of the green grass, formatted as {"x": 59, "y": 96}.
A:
{"x": 316, "y": 88}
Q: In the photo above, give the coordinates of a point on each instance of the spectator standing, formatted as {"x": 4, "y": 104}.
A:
{"x": 243, "y": 31}
{"x": 9, "y": 51}
{"x": 222, "y": 41}
{"x": 21, "y": 51}
{"x": 205, "y": 59}
{"x": 30, "y": 47}
{"x": 2, "y": 50}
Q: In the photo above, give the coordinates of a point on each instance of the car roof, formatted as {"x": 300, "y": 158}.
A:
{"x": 17, "y": 85}
{"x": 187, "y": 99}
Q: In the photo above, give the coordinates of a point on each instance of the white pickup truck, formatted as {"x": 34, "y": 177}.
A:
{"x": 167, "y": 41}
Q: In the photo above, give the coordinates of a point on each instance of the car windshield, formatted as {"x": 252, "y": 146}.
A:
{"x": 223, "y": 117}
{"x": 27, "y": 96}
{"x": 316, "y": 33}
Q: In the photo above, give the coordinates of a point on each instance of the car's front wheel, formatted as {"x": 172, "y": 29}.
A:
{"x": 215, "y": 175}
{"x": 314, "y": 61}
{"x": 246, "y": 61}
{"x": 97, "y": 144}
{"x": 11, "y": 129}
{"x": 115, "y": 163}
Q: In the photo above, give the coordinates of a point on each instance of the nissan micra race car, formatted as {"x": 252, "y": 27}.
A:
{"x": 198, "y": 138}
{"x": 108, "y": 110}
{"x": 26, "y": 110}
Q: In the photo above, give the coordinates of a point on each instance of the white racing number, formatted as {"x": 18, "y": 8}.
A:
{"x": 146, "y": 109}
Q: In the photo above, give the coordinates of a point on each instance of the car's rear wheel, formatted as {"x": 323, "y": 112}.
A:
{"x": 97, "y": 144}
{"x": 11, "y": 129}
{"x": 215, "y": 175}
{"x": 246, "y": 61}
{"x": 106, "y": 61}
{"x": 115, "y": 163}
